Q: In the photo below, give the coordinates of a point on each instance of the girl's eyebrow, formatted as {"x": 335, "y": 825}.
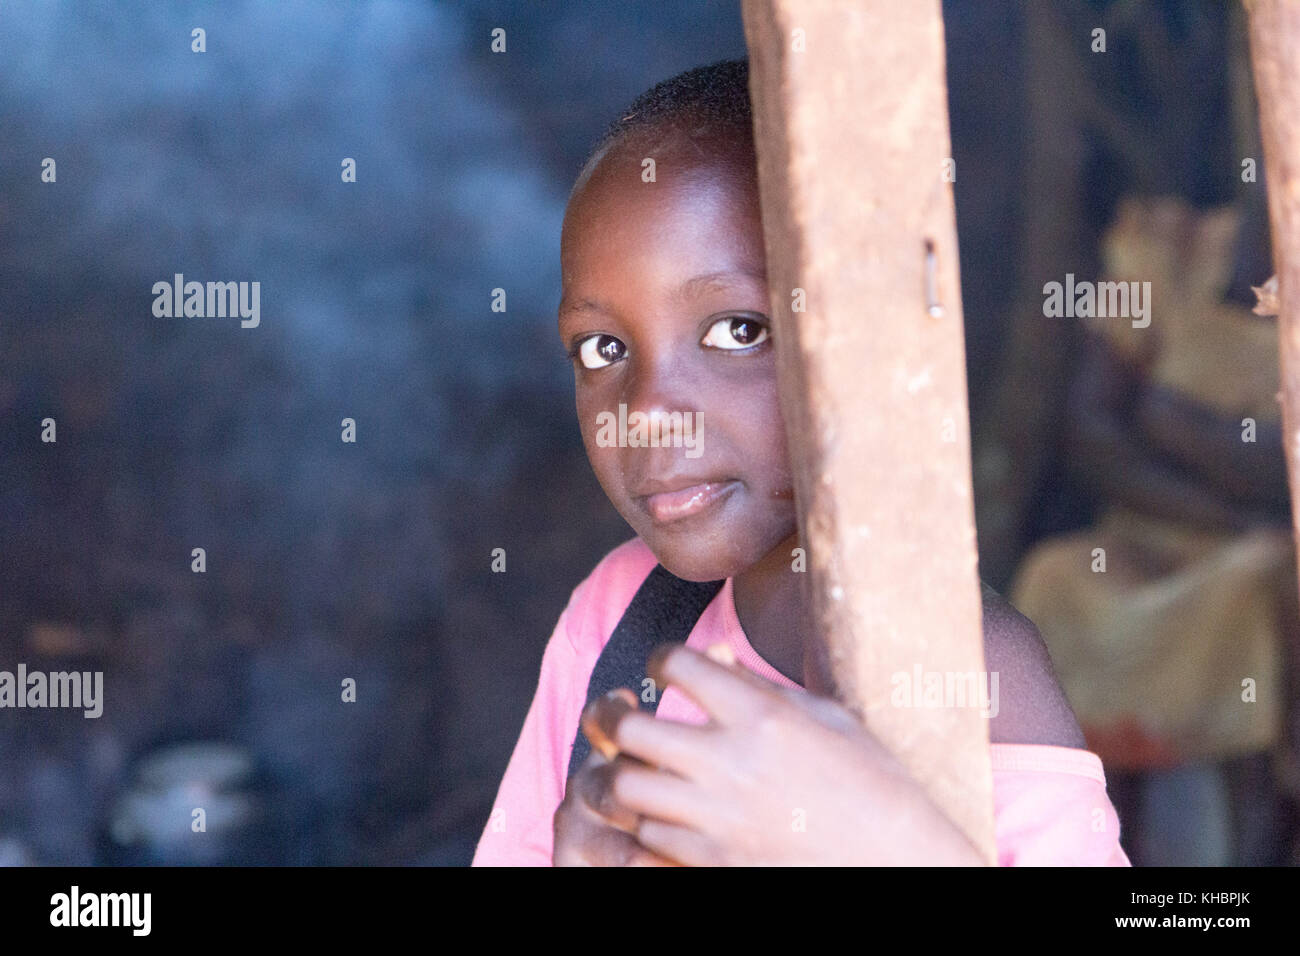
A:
{"x": 569, "y": 304}
{"x": 711, "y": 280}
{"x": 691, "y": 288}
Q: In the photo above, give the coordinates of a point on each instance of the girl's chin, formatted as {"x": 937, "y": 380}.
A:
{"x": 694, "y": 564}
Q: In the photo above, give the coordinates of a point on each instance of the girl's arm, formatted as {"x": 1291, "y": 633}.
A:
{"x": 519, "y": 829}
{"x": 1050, "y": 805}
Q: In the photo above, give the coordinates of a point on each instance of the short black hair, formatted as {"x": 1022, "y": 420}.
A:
{"x": 707, "y": 99}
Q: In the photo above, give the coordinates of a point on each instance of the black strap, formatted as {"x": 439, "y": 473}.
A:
{"x": 665, "y": 608}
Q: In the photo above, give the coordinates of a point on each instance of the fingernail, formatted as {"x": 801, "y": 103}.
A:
{"x": 623, "y": 695}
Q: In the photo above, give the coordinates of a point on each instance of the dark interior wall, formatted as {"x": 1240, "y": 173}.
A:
{"x": 325, "y": 560}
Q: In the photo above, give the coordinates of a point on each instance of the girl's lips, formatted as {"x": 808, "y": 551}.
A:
{"x": 668, "y": 506}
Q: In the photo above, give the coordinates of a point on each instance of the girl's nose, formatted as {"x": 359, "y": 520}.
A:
{"x": 659, "y": 390}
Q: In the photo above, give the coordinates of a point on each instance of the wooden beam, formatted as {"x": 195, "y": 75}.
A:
{"x": 1275, "y": 57}
{"x": 852, "y": 137}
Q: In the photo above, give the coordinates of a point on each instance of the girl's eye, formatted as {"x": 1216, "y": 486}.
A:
{"x": 735, "y": 332}
{"x": 597, "y": 351}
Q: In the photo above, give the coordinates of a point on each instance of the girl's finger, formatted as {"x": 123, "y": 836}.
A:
{"x": 601, "y": 740}
{"x": 678, "y": 843}
{"x": 599, "y": 844}
{"x": 724, "y": 655}
{"x": 591, "y": 784}
{"x": 627, "y": 791}
{"x": 729, "y": 695}
{"x": 683, "y": 749}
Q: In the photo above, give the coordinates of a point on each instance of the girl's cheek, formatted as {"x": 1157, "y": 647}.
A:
{"x": 780, "y": 456}
{"x": 586, "y": 407}
{"x": 605, "y": 462}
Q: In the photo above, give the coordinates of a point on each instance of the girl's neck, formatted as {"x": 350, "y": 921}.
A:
{"x": 773, "y": 611}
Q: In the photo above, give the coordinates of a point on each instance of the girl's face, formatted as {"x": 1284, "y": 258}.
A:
{"x": 664, "y": 311}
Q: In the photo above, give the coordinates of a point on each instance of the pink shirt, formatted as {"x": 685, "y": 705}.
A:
{"x": 1050, "y": 803}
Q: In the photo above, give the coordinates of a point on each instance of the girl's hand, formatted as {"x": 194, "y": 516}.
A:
{"x": 776, "y": 777}
{"x": 582, "y": 836}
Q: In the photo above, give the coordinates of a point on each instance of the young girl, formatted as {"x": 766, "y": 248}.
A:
{"x": 665, "y": 311}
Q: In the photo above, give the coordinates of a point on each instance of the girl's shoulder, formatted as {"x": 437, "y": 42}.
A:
{"x": 598, "y": 603}
{"x": 1032, "y": 708}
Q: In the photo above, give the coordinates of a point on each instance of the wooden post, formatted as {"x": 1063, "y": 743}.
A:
{"x": 851, "y": 123}
{"x": 1275, "y": 56}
